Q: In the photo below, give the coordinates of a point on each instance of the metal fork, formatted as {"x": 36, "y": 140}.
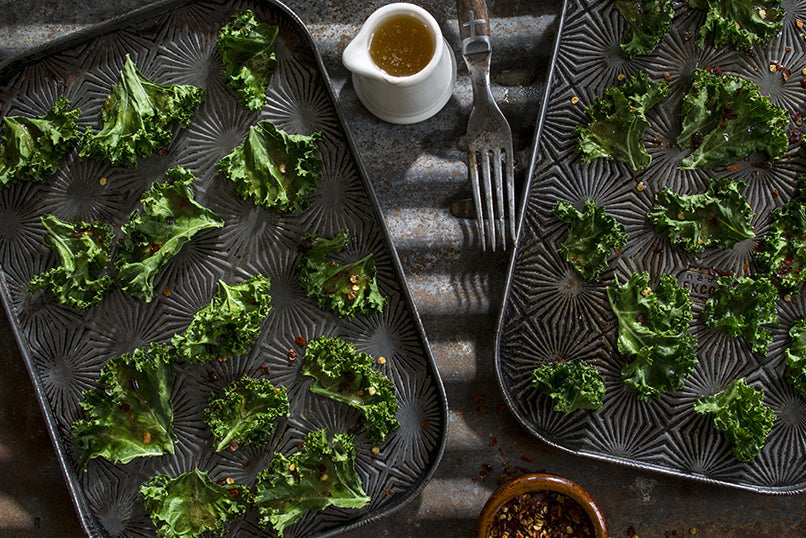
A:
{"x": 489, "y": 138}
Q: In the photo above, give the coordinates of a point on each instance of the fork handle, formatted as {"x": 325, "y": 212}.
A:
{"x": 473, "y": 20}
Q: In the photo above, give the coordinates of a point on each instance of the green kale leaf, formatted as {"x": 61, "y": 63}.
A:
{"x": 591, "y": 235}
{"x": 782, "y": 253}
{"x": 739, "y": 412}
{"x": 718, "y": 217}
{"x": 571, "y": 385}
{"x": 246, "y": 412}
{"x": 741, "y": 306}
{"x": 342, "y": 288}
{"x": 273, "y": 168}
{"x": 321, "y": 476}
{"x": 132, "y": 416}
{"x": 740, "y": 23}
{"x": 618, "y": 122}
{"x": 229, "y": 325}
{"x": 344, "y": 375}
{"x": 247, "y": 49}
{"x": 33, "y": 147}
{"x": 137, "y": 117}
{"x": 796, "y": 357}
{"x": 191, "y": 504}
{"x": 653, "y": 332}
{"x": 647, "y": 24}
{"x": 170, "y": 218}
{"x": 83, "y": 253}
{"x": 725, "y": 119}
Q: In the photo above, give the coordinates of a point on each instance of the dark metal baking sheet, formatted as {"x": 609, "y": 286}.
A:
{"x": 550, "y": 313}
{"x": 174, "y": 42}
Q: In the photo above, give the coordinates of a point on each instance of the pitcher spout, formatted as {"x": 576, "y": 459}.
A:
{"x": 356, "y": 57}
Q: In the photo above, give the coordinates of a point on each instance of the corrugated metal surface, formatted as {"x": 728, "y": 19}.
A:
{"x": 417, "y": 171}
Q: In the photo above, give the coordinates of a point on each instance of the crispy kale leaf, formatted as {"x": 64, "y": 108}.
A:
{"x": 170, "y": 218}
{"x": 347, "y": 376}
{"x": 741, "y": 306}
{"x": 796, "y": 357}
{"x": 783, "y": 250}
{"x": 343, "y": 288}
{"x": 321, "y": 476}
{"x": 718, "y": 217}
{"x": 83, "y": 253}
{"x": 739, "y": 412}
{"x": 653, "y": 332}
{"x": 618, "y": 122}
{"x": 33, "y": 147}
{"x": 132, "y": 416}
{"x": 137, "y": 116}
{"x": 191, "y": 503}
{"x": 247, "y": 49}
{"x": 647, "y": 24}
{"x": 229, "y": 325}
{"x": 274, "y": 169}
{"x": 725, "y": 119}
{"x": 246, "y": 412}
{"x": 741, "y": 23}
{"x": 571, "y": 385}
{"x": 591, "y": 235}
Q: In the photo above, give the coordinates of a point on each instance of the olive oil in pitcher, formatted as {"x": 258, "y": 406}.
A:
{"x": 402, "y": 45}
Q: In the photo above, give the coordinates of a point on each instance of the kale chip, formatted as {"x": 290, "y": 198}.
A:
{"x": 191, "y": 503}
{"x": 725, "y": 119}
{"x": 246, "y": 412}
{"x": 274, "y": 169}
{"x": 718, "y": 217}
{"x": 647, "y": 21}
{"x": 345, "y": 375}
{"x": 83, "y": 252}
{"x": 133, "y": 415}
{"x": 653, "y": 333}
{"x": 592, "y": 233}
{"x": 247, "y": 49}
{"x": 739, "y": 412}
{"x": 618, "y": 122}
{"x": 342, "y": 288}
{"x": 229, "y": 325}
{"x": 782, "y": 253}
{"x": 170, "y": 218}
{"x": 796, "y": 357}
{"x": 740, "y": 23}
{"x": 571, "y": 385}
{"x": 137, "y": 117}
{"x": 741, "y": 306}
{"x": 322, "y": 475}
{"x": 33, "y": 147}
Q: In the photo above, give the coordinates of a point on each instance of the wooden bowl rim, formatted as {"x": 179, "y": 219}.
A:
{"x": 536, "y": 482}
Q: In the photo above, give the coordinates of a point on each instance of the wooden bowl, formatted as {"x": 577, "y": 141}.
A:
{"x": 539, "y": 482}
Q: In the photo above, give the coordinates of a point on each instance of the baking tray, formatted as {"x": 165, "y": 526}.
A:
{"x": 549, "y": 313}
{"x": 175, "y": 42}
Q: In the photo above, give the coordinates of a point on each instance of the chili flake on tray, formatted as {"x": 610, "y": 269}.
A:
{"x": 541, "y": 514}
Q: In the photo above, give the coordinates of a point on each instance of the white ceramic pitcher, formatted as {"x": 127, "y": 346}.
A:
{"x": 401, "y": 99}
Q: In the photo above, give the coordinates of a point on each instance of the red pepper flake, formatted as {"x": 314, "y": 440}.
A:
{"x": 292, "y": 355}
{"x": 300, "y": 341}
{"x": 265, "y": 369}
{"x": 799, "y": 23}
{"x": 166, "y": 292}
{"x": 164, "y": 152}
{"x": 746, "y": 266}
{"x": 541, "y": 513}
{"x": 233, "y": 492}
{"x": 775, "y": 193}
{"x": 493, "y": 441}
{"x": 233, "y": 445}
{"x": 389, "y": 491}
{"x": 733, "y": 167}
{"x": 527, "y": 459}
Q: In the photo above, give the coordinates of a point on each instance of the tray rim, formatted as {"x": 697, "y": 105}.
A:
{"x": 787, "y": 490}
{"x": 88, "y": 522}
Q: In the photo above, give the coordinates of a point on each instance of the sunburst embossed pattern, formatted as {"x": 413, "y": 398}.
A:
{"x": 175, "y": 43}
{"x": 551, "y": 314}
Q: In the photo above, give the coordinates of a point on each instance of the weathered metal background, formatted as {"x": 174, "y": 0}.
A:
{"x": 418, "y": 171}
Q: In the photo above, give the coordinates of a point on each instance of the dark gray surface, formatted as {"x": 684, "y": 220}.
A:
{"x": 417, "y": 172}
